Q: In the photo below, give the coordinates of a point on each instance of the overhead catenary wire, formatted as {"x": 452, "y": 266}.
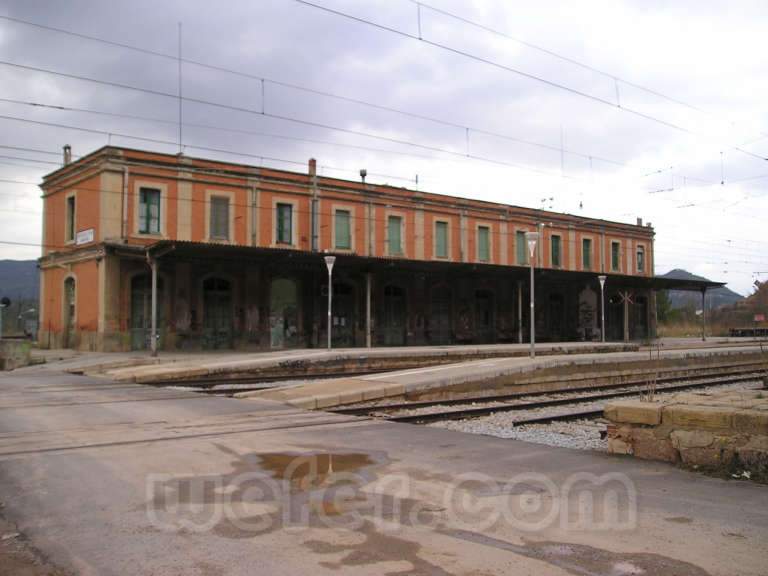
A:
{"x": 262, "y": 79}
{"x": 302, "y": 162}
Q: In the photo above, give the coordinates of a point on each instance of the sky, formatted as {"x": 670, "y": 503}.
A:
{"x": 604, "y": 109}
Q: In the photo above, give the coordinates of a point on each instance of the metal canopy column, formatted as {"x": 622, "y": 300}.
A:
{"x": 626, "y": 316}
{"x": 153, "y": 343}
{"x": 368, "y": 309}
{"x": 519, "y": 311}
{"x": 704, "y": 314}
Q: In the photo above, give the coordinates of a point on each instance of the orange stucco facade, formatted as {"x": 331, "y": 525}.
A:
{"x": 93, "y": 219}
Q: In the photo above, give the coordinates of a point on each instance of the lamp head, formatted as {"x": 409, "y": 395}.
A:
{"x": 531, "y": 238}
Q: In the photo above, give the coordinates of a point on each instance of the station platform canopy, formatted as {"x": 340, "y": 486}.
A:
{"x": 187, "y": 250}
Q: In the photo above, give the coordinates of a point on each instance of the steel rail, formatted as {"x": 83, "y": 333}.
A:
{"x": 486, "y": 410}
{"x": 695, "y": 373}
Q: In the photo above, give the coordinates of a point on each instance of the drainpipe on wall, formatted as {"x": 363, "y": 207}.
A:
{"x": 315, "y": 224}
{"x": 540, "y": 228}
{"x": 125, "y": 205}
{"x": 371, "y": 230}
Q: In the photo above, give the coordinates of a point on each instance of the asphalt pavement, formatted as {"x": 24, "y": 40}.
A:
{"x": 106, "y": 477}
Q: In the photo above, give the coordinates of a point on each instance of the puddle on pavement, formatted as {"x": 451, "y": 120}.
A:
{"x": 312, "y": 471}
{"x": 377, "y": 548}
{"x": 588, "y": 560}
{"x": 265, "y": 492}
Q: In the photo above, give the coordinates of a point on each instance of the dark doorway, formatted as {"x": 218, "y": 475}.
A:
{"x": 343, "y": 309}
{"x": 440, "y": 316}
{"x": 283, "y": 314}
{"x": 556, "y": 317}
{"x": 393, "y": 322}
{"x": 640, "y": 318}
{"x": 217, "y": 314}
{"x": 483, "y": 317}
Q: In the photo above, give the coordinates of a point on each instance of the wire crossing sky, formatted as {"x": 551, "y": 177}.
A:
{"x": 613, "y": 110}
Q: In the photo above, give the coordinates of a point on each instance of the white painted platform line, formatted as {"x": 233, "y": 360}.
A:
{"x": 431, "y": 369}
{"x": 265, "y": 360}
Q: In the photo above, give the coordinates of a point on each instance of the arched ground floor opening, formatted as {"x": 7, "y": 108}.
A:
{"x": 217, "y": 297}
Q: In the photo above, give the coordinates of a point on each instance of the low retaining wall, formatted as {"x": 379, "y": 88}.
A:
{"x": 725, "y": 431}
{"x": 13, "y": 354}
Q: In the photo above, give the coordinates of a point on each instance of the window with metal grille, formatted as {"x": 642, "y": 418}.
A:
{"x": 284, "y": 224}
{"x": 586, "y": 254}
{"x": 70, "y": 224}
{"x": 615, "y": 256}
{"x": 343, "y": 235}
{"x": 441, "y": 239}
{"x": 149, "y": 211}
{"x": 394, "y": 224}
{"x": 520, "y": 247}
{"x": 219, "y": 217}
{"x": 555, "y": 246}
{"x": 641, "y": 259}
{"x": 483, "y": 237}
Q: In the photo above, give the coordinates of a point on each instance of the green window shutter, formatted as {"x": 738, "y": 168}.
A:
{"x": 71, "y": 218}
{"x": 149, "y": 211}
{"x": 143, "y": 211}
{"x": 615, "y": 256}
{"x": 394, "y": 234}
{"x": 284, "y": 224}
{"x": 482, "y": 244}
{"x": 441, "y": 239}
{"x": 586, "y": 254}
{"x": 153, "y": 213}
{"x": 520, "y": 247}
{"x": 219, "y": 217}
{"x": 555, "y": 251}
{"x": 343, "y": 236}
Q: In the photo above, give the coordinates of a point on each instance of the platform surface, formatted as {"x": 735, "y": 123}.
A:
{"x": 106, "y": 477}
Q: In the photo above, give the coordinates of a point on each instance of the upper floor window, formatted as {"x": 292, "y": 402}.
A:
{"x": 149, "y": 211}
{"x": 586, "y": 253}
{"x": 556, "y": 254}
{"x": 395, "y": 245}
{"x": 284, "y": 224}
{"x": 343, "y": 232}
{"x": 520, "y": 247}
{"x": 615, "y": 256}
{"x": 70, "y": 222}
{"x": 641, "y": 259}
{"x": 219, "y": 217}
{"x": 483, "y": 239}
{"x": 441, "y": 239}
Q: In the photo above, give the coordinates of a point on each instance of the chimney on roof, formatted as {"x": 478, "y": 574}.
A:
{"x": 363, "y": 174}
{"x": 67, "y": 154}
{"x": 639, "y": 221}
{"x": 312, "y": 167}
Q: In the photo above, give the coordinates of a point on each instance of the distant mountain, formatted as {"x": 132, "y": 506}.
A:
{"x": 19, "y": 277}
{"x": 715, "y": 298}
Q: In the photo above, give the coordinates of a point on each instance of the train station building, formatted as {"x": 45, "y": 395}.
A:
{"x": 238, "y": 256}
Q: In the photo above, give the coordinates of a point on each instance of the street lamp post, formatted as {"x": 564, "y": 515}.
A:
{"x": 602, "y": 307}
{"x": 531, "y": 238}
{"x": 329, "y": 260}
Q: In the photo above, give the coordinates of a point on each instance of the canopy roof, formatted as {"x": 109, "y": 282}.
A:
{"x": 186, "y": 250}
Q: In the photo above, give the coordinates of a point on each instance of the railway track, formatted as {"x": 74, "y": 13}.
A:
{"x": 231, "y": 385}
{"x": 513, "y": 402}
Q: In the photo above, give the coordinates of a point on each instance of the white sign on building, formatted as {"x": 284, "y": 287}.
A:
{"x": 84, "y": 236}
